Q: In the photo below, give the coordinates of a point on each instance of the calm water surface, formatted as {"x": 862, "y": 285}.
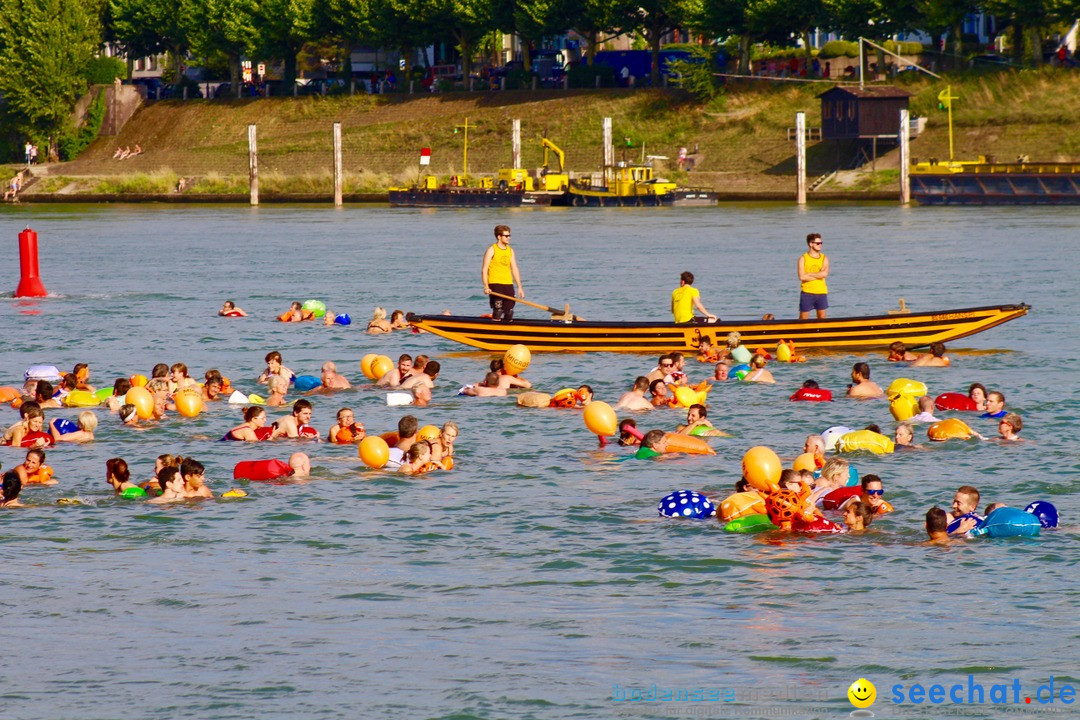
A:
{"x": 534, "y": 578}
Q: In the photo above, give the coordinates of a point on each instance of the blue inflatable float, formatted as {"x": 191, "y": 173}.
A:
{"x": 1045, "y": 511}
{"x": 307, "y": 382}
{"x": 686, "y": 504}
{"x": 1008, "y": 522}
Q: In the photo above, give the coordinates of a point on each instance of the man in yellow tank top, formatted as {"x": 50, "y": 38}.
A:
{"x": 499, "y": 273}
{"x": 813, "y": 269}
{"x": 685, "y": 298}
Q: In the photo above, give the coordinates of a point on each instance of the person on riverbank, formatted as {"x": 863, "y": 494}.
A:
{"x": 685, "y": 298}
{"x": 813, "y": 268}
{"x": 499, "y": 273}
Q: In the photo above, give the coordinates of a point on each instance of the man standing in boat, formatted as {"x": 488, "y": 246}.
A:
{"x": 499, "y": 274}
{"x": 813, "y": 269}
{"x": 685, "y": 298}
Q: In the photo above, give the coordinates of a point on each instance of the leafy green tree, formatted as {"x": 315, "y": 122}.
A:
{"x": 533, "y": 20}
{"x": 1028, "y": 19}
{"x": 283, "y": 26}
{"x": 466, "y": 21}
{"x": 148, "y": 27}
{"x": 654, "y": 19}
{"x": 590, "y": 19}
{"x": 876, "y": 20}
{"x": 45, "y": 48}
{"x": 225, "y": 26}
{"x": 939, "y": 17}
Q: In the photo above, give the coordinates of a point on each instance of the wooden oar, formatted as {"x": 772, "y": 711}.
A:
{"x": 557, "y": 314}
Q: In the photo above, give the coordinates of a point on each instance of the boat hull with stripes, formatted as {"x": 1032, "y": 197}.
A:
{"x": 853, "y": 333}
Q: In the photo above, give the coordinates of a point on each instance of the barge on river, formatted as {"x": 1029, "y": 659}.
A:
{"x": 852, "y": 333}
{"x": 986, "y": 182}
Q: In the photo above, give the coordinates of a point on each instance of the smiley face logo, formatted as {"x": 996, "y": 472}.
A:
{"x": 862, "y": 693}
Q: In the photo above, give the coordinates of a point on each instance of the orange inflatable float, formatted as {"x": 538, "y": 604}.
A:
{"x": 742, "y": 504}
{"x": 677, "y": 443}
{"x": 948, "y": 429}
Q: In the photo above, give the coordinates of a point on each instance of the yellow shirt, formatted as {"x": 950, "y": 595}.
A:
{"x": 814, "y": 265}
{"x": 682, "y": 303}
{"x": 499, "y": 268}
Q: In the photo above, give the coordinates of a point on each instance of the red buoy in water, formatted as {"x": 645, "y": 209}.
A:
{"x": 30, "y": 283}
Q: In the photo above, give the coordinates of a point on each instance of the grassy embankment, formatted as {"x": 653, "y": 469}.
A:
{"x": 742, "y": 136}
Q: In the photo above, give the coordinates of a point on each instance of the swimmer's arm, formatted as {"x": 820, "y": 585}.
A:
{"x": 519, "y": 382}
{"x": 264, "y": 378}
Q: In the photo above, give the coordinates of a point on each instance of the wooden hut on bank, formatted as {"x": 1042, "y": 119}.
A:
{"x": 863, "y": 116}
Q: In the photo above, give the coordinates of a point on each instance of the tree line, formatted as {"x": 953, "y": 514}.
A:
{"x": 48, "y": 47}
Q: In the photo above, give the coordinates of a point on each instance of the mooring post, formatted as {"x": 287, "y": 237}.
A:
{"x": 253, "y": 166}
{"x": 337, "y": 164}
{"x": 800, "y": 158}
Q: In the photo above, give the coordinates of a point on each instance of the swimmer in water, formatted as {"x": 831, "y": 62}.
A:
{"x": 378, "y": 323}
{"x": 489, "y": 387}
{"x": 861, "y": 386}
{"x": 634, "y": 399}
{"x": 904, "y": 436}
{"x": 660, "y": 397}
{"x": 426, "y": 378}
{"x": 444, "y": 446}
{"x": 654, "y": 443}
{"x": 1009, "y": 426}
{"x": 14, "y": 435}
{"x": 296, "y": 425}
{"x": 278, "y": 387}
{"x": 625, "y": 436}
{"x": 419, "y": 459}
{"x": 696, "y": 416}
{"x": 395, "y": 377}
{"x": 180, "y": 378}
{"x": 937, "y": 522}
{"x": 159, "y": 388}
{"x": 936, "y": 358}
{"x": 977, "y": 393}
{"x": 857, "y": 516}
{"x": 211, "y": 389}
{"x": 706, "y": 353}
{"x": 155, "y": 485}
{"x": 229, "y": 309}
{"x": 898, "y": 352}
{"x": 407, "y": 428}
{"x": 120, "y": 388}
{"x": 194, "y": 475}
{"x": 758, "y": 373}
{"x": 398, "y": 321}
{"x": 88, "y": 423}
{"x": 247, "y": 431}
{"x": 421, "y": 395}
{"x": 506, "y": 380}
{"x": 815, "y": 445}
{"x": 346, "y": 430}
{"x": 834, "y": 475}
{"x": 172, "y": 486}
{"x": 274, "y": 367}
{"x": 82, "y": 377}
{"x": 43, "y": 395}
{"x": 128, "y": 415}
{"x": 12, "y": 486}
{"x": 118, "y": 476}
{"x": 926, "y": 411}
{"x": 30, "y": 471}
{"x": 965, "y": 502}
{"x": 300, "y": 464}
{"x": 995, "y": 405}
{"x": 721, "y": 371}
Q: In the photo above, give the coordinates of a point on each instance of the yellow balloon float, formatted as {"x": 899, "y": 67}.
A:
{"x": 188, "y": 403}
{"x": 600, "y": 418}
{"x": 143, "y": 401}
{"x": 903, "y": 407}
{"x": 516, "y": 359}
{"x": 380, "y": 366}
{"x": 365, "y": 365}
{"x": 687, "y": 396}
{"x": 429, "y": 432}
{"x": 783, "y": 352}
{"x": 761, "y": 467}
{"x": 374, "y": 451}
{"x": 138, "y": 380}
{"x": 804, "y": 462}
{"x": 80, "y": 398}
{"x": 905, "y": 387}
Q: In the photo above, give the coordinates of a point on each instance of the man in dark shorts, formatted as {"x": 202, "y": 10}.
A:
{"x": 499, "y": 273}
{"x": 813, "y": 268}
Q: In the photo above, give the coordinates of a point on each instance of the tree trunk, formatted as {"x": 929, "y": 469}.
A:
{"x": 744, "y": 54}
{"x": 958, "y": 44}
{"x": 407, "y": 54}
{"x": 654, "y": 44}
{"x": 526, "y": 56}
{"x": 1018, "y": 42}
{"x": 177, "y": 56}
{"x": 288, "y": 74}
{"x": 592, "y": 39}
{"x": 1036, "y": 47}
{"x": 234, "y": 71}
{"x": 466, "y": 57}
{"x": 806, "y": 44}
{"x": 880, "y": 62}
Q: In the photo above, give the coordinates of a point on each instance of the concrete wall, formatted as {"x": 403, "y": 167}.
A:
{"x": 121, "y": 102}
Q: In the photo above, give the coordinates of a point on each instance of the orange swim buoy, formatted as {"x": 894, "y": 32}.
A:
{"x": 678, "y": 443}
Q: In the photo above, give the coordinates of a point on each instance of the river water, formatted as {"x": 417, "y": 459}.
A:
{"x": 533, "y": 581}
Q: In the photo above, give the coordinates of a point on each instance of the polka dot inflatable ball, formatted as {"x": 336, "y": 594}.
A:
{"x": 686, "y": 504}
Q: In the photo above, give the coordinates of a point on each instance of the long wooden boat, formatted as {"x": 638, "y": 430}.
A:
{"x": 871, "y": 332}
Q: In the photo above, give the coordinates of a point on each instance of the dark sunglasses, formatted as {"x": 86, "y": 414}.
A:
{"x": 875, "y": 492}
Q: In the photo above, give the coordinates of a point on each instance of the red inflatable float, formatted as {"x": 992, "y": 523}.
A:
{"x": 838, "y": 497}
{"x": 30, "y": 439}
{"x": 812, "y": 395}
{"x": 817, "y": 525}
{"x": 262, "y": 470}
{"x": 954, "y": 401}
